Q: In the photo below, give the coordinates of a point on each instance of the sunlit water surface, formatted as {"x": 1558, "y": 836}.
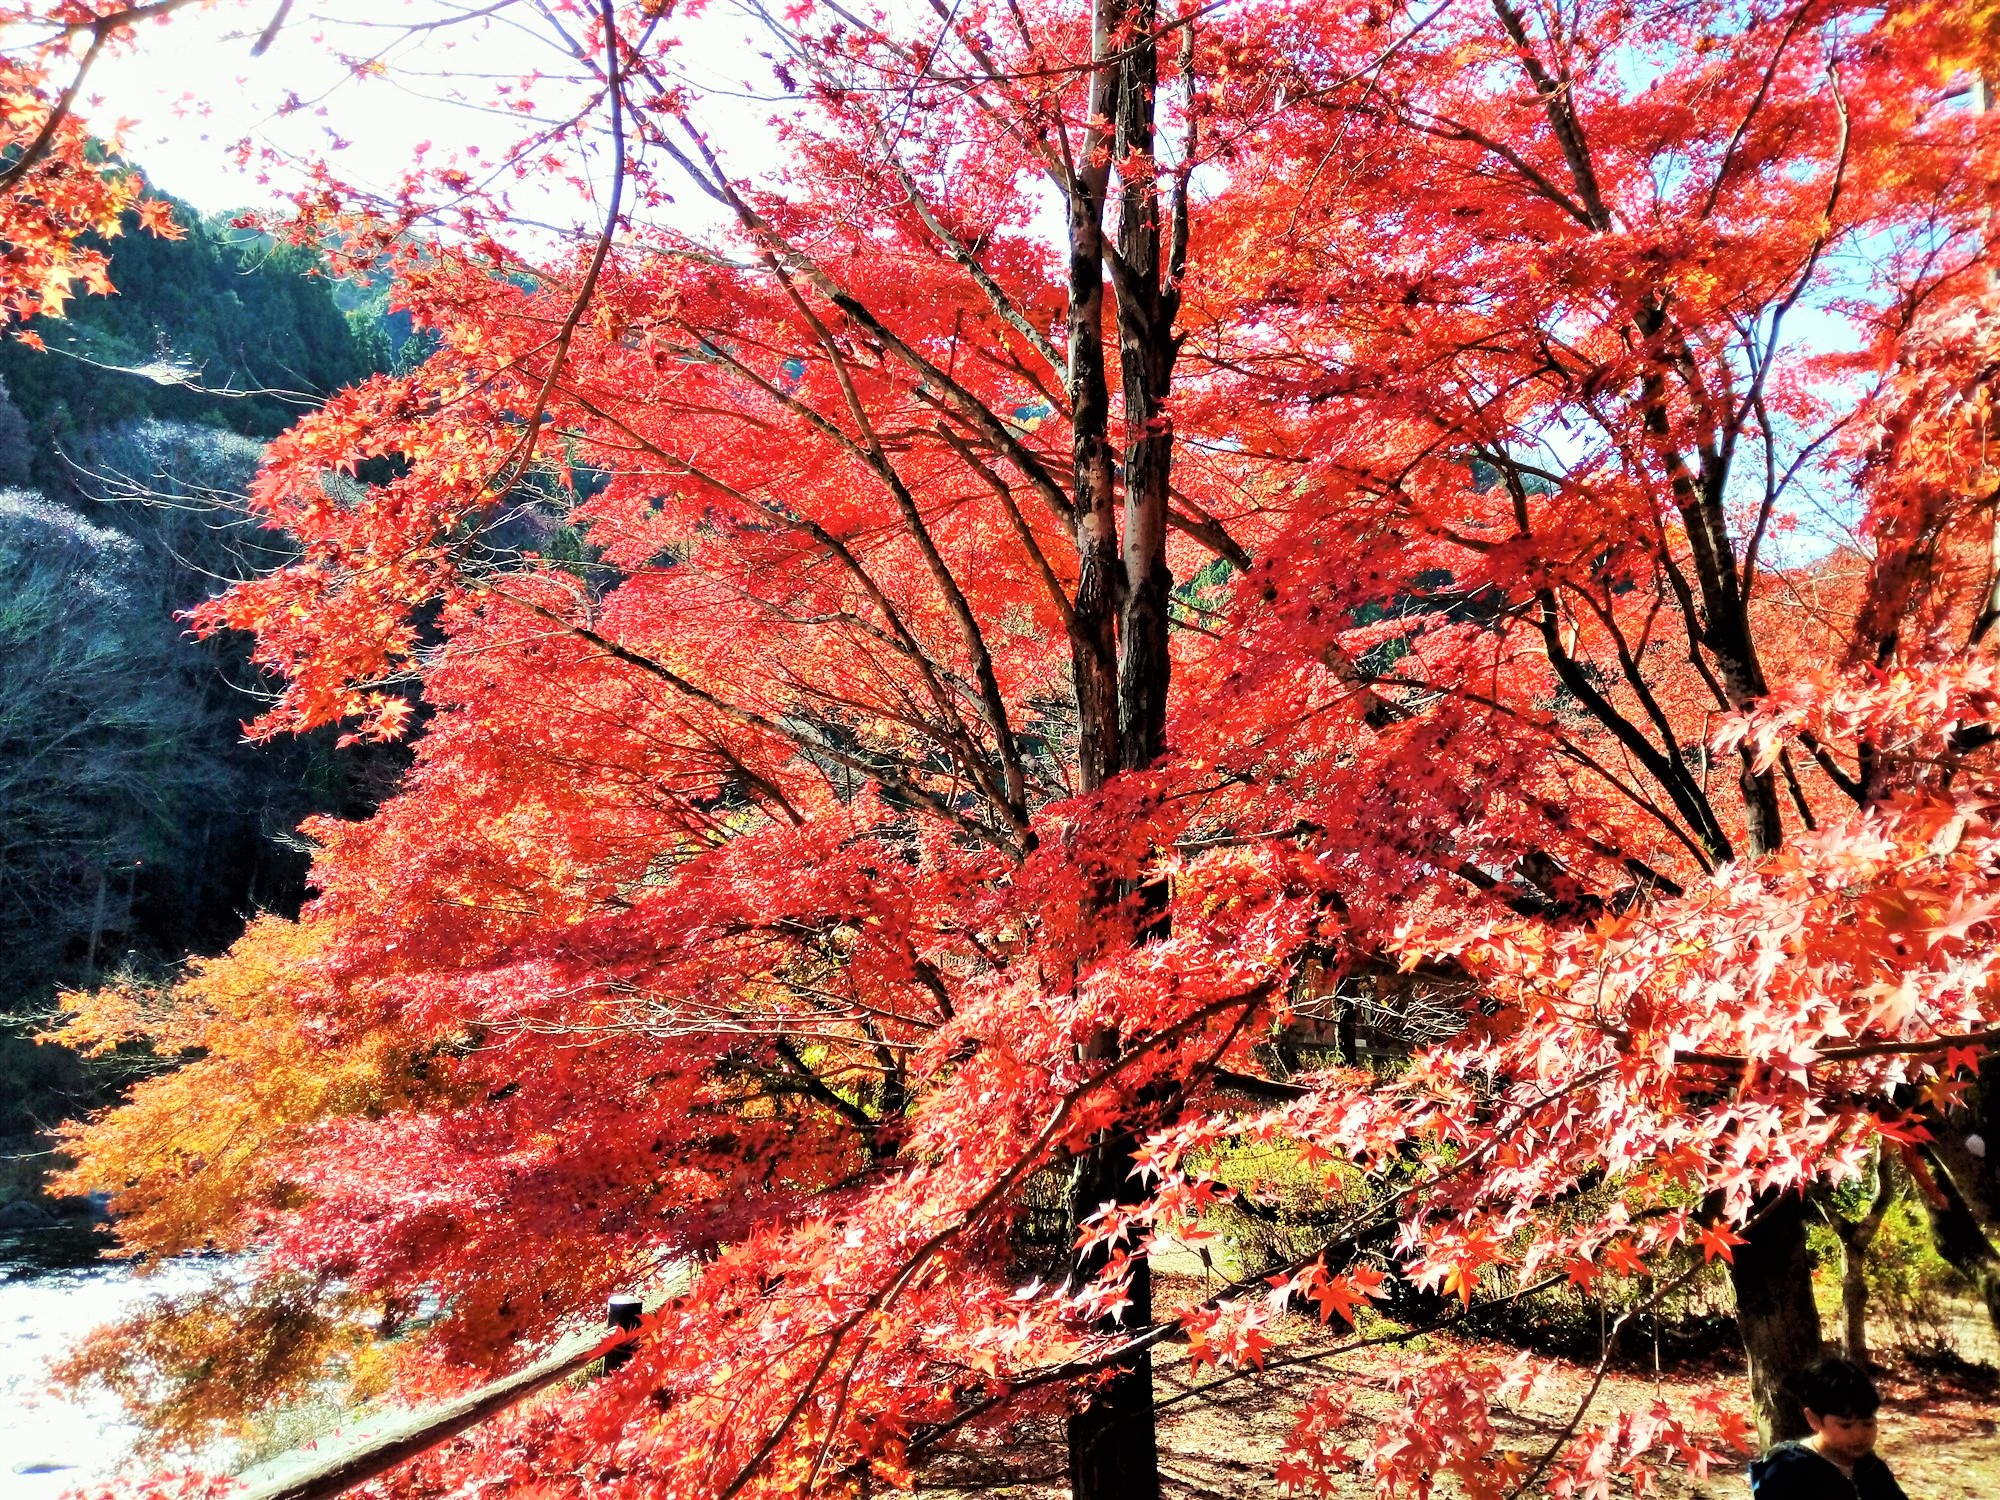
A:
{"x": 51, "y": 1294}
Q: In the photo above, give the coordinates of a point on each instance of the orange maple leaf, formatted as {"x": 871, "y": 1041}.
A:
{"x": 156, "y": 217}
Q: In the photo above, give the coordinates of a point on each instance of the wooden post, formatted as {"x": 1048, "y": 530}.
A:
{"x": 621, "y": 1313}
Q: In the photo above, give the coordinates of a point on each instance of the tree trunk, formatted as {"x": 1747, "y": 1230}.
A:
{"x": 1855, "y": 1237}
{"x": 1094, "y": 635}
{"x": 1146, "y": 349}
{"x": 1854, "y": 1301}
{"x": 1114, "y": 1451}
{"x": 1986, "y": 1122}
{"x": 1957, "y": 1235}
{"x": 1772, "y": 1278}
{"x": 1119, "y": 643}
{"x": 96, "y": 929}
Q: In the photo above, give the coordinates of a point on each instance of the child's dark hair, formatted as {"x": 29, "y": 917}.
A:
{"x": 1835, "y": 1387}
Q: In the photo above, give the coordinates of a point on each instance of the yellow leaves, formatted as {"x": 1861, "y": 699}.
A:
{"x": 1972, "y": 46}
{"x": 196, "y": 1365}
{"x": 186, "y": 1157}
{"x": 100, "y": 1021}
{"x": 55, "y": 294}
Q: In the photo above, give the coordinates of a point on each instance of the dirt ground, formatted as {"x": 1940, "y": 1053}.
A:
{"x": 1220, "y": 1436}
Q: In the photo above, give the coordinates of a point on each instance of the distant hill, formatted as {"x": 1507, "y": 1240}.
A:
{"x": 135, "y": 825}
{"x": 224, "y": 328}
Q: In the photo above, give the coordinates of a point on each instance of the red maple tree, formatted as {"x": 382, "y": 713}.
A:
{"x": 1153, "y": 522}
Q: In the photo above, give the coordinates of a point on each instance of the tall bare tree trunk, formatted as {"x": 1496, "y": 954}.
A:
{"x": 1094, "y": 636}
{"x": 1122, "y": 693}
{"x": 1147, "y": 300}
{"x": 96, "y": 928}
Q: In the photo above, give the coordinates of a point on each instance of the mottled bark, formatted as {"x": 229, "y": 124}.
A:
{"x": 1094, "y": 640}
{"x": 1772, "y": 1278}
{"x": 1123, "y": 581}
{"x": 1146, "y": 363}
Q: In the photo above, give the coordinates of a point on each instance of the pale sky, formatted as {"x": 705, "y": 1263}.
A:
{"x": 192, "y": 90}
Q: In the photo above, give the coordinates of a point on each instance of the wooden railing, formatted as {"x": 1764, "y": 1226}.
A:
{"x": 422, "y": 1431}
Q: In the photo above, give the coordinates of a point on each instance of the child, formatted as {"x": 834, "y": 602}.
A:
{"x": 1838, "y": 1461}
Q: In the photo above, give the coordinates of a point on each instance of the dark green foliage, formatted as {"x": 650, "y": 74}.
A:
{"x": 387, "y": 336}
{"x": 16, "y": 453}
{"x": 224, "y": 328}
{"x": 39, "y": 1087}
{"x": 203, "y": 836}
{"x": 98, "y": 731}
{"x": 135, "y": 824}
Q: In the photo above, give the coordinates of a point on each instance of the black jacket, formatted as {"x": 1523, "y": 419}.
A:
{"x": 1792, "y": 1471}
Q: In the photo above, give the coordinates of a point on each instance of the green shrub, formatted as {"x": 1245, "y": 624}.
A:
{"x": 1909, "y": 1283}
{"x": 1282, "y": 1209}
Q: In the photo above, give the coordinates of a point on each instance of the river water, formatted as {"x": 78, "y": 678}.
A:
{"x": 51, "y": 1294}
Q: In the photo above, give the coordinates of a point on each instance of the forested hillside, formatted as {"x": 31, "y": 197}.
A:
{"x": 135, "y": 825}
